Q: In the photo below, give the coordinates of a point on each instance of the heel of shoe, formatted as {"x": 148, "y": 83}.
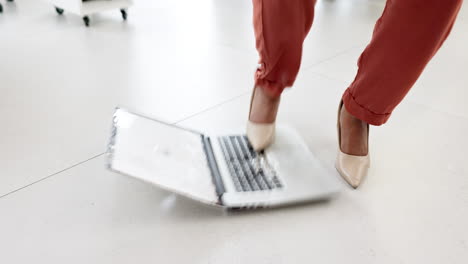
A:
{"x": 260, "y": 135}
{"x": 353, "y": 169}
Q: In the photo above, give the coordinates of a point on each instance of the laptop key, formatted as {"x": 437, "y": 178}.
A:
{"x": 249, "y": 170}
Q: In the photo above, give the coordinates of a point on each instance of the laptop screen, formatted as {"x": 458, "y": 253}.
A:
{"x": 162, "y": 154}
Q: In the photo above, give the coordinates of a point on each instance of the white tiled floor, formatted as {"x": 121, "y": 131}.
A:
{"x": 191, "y": 62}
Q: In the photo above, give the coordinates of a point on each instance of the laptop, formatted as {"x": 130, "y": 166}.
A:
{"x": 221, "y": 170}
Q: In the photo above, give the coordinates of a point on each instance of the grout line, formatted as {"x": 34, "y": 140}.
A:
{"x": 331, "y": 57}
{"x": 51, "y": 175}
{"x": 98, "y": 155}
{"x": 411, "y": 101}
{"x": 184, "y": 119}
{"x": 440, "y": 111}
{"x": 326, "y": 76}
{"x": 211, "y": 107}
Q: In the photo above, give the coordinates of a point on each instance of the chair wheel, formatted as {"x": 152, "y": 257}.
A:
{"x": 10, "y": 0}
{"x": 86, "y": 20}
{"x": 59, "y": 10}
{"x": 1, "y": 8}
{"x": 124, "y": 14}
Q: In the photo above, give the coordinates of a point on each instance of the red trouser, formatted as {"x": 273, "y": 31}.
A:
{"x": 405, "y": 38}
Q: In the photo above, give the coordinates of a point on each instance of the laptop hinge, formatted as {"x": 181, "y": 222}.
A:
{"x": 215, "y": 174}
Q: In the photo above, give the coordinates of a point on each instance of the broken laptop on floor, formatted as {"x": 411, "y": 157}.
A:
{"x": 221, "y": 170}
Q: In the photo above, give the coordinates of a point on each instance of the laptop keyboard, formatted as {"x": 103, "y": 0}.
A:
{"x": 249, "y": 170}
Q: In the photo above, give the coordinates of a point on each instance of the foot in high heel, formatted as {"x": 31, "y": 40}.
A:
{"x": 262, "y": 116}
{"x": 353, "y": 158}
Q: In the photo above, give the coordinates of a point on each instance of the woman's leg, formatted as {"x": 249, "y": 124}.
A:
{"x": 405, "y": 38}
{"x": 280, "y": 29}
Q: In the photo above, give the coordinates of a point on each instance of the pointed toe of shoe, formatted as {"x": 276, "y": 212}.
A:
{"x": 352, "y": 168}
{"x": 260, "y": 136}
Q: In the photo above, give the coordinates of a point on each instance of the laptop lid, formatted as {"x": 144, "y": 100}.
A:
{"x": 166, "y": 155}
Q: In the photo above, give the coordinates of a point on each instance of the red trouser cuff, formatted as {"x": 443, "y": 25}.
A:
{"x": 272, "y": 89}
{"x": 361, "y": 112}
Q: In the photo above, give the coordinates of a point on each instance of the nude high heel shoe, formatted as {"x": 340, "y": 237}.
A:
{"x": 351, "y": 167}
{"x": 260, "y": 135}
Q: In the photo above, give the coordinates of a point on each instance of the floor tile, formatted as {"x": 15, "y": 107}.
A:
{"x": 61, "y": 82}
{"x": 415, "y": 192}
{"x": 339, "y": 26}
{"x": 417, "y": 170}
{"x": 441, "y": 85}
{"x": 60, "y": 114}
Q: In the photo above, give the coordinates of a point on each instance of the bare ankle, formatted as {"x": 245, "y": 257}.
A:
{"x": 353, "y": 134}
{"x": 264, "y": 108}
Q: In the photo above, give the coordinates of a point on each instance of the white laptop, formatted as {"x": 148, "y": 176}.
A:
{"x": 220, "y": 170}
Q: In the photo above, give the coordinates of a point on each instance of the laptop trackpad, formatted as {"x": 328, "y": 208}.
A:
{"x": 168, "y": 156}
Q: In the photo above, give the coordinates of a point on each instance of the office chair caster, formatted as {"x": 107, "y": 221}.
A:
{"x": 1, "y": 6}
{"x": 59, "y": 10}
{"x": 86, "y": 20}
{"x": 124, "y": 14}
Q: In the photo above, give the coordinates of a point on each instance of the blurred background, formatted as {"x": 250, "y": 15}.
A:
{"x": 192, "y": 63}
